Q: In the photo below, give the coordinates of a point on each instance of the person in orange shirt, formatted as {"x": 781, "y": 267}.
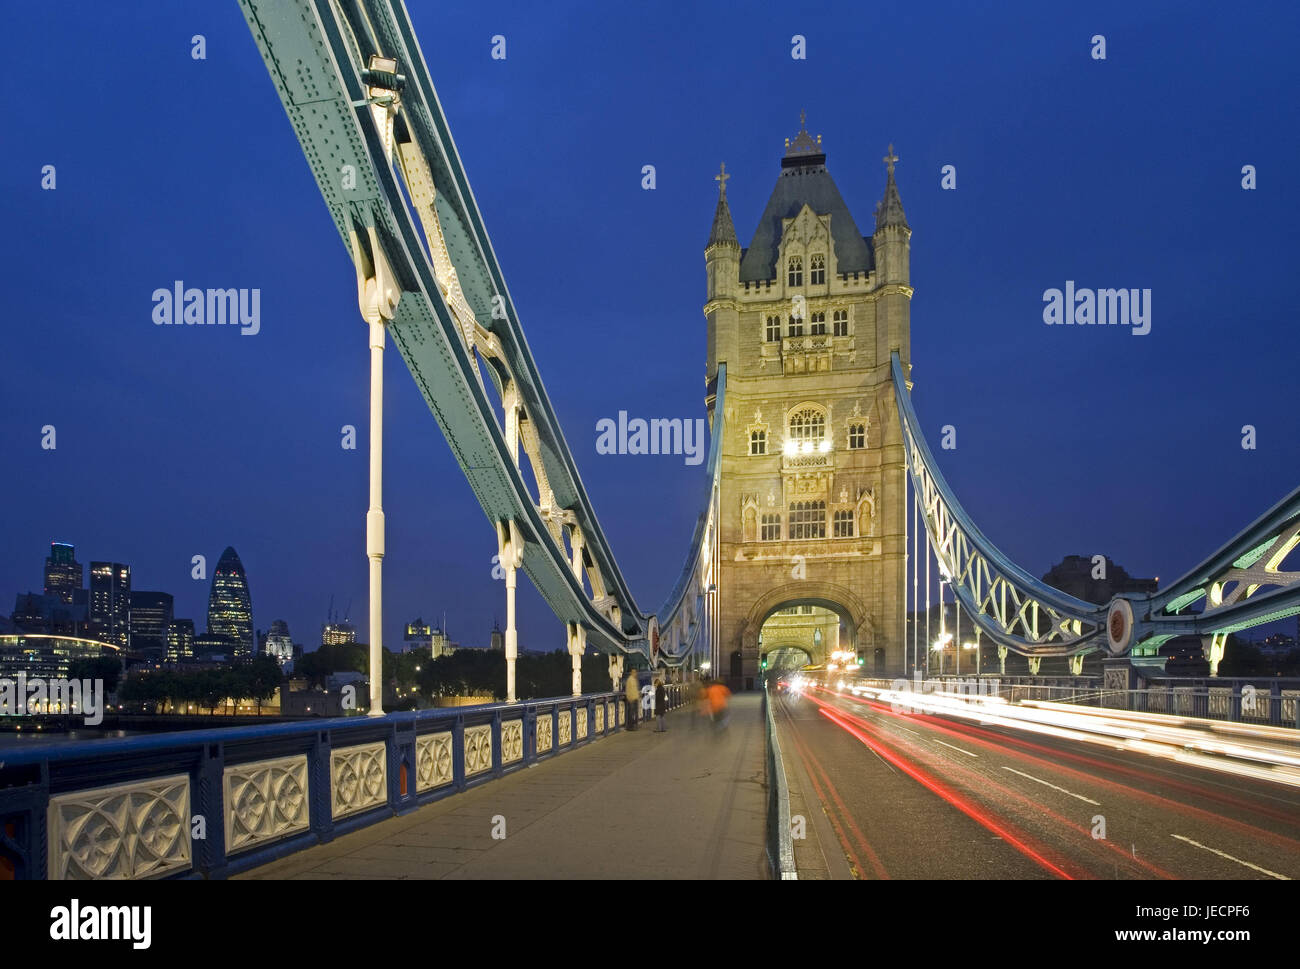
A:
{"x": 718, "y": 696}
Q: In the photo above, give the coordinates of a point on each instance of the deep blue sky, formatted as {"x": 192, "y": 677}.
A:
{"x": 177, "y": 441}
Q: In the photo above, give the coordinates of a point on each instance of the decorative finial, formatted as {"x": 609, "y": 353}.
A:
{"x": 803, "y": 143}
{"x": 890, "y": 159}
{"x": 721, "y": 179}
{"x": 803, "y": 125}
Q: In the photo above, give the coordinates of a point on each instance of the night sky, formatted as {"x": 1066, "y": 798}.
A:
{"x": 176, "y": 441}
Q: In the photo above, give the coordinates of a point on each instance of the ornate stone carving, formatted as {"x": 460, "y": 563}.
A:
{"x": 566, "y": 727}
{"x": 545, "y": 727}
{"x": 600, "y": 718}
{"x": 582, "y": 723}
{"x": 433, "y": 761}
{"x": 512, "y": 741}
{"x": 358, "y": 778}
{"x": 478, "y": 749}
{"x": 264, "y": 801}
{"x": 136, "y": 830}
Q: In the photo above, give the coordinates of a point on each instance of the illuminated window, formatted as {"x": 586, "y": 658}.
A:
{"x": 773, "y": 329}
{"x": 817, "y": 270}
{"x": 758, "y": 442}
{"x": 843, "y": 524}
{"x": 796, "y": 326}
{"x": 858, "y": 434}
{"x": 807, "y": 519}
{"x": 841, "y": 322}
{"x": 818, "y": 321}
{"x": 771, "y": 528}
{"x": 807, "y": 425}
{"x": 796, "y": 270}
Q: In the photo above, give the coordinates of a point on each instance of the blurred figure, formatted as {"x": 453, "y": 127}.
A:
{"x": 632, "y": 692}
{"x": 701, "y": 703}
{"x": 661, "y": 705}
{"x": 718, "y": 697}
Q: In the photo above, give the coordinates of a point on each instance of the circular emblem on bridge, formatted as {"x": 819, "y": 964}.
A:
{"x": 1119, "y": 626}
{"x": 654, "y": 638}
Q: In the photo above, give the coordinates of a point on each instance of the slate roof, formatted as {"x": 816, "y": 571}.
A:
{"x": 804, "y": 179}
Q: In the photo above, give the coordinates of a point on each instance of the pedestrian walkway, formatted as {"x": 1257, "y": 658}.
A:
{"x": 686, "y": 803}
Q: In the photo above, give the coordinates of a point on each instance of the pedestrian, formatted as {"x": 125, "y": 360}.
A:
{"x": 632, "y": 691}
{"x": 661, "y": 705}
{"x": 718, "y": 694}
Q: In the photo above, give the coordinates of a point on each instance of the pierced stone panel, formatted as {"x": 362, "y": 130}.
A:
{"x": 566, "y": 727}
{"x": 1290, "y": 705}
{"x": 478, "y": 749}
{"x": 582, "y": 723}
{"x": 512, "y": 741}
{"x": 136, "y": 830}
{"x": 1221, "y": 702}
{"x": 264, "y": 801}
{"x": 433, "y": 764}
{"x": 358, "y": 778}
{"x": 611, "y": 714}
{"x": 545, "y": 726}
{"x": 600, "y": 718}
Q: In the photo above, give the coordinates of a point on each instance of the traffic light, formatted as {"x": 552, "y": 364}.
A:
{"x": 763, "y": 663}
{"x": 861, "y": 660}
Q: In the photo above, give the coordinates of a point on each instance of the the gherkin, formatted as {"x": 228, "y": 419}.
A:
{"x": 230, "y": 608}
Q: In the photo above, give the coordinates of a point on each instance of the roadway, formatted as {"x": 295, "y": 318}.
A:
{"x": 914, "y": 795}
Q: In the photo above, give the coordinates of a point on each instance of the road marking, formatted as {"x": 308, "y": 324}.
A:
{"x": 1052, "y": 786}
{"x": 958, "y": 749}
{"x": 1224, "y": 854}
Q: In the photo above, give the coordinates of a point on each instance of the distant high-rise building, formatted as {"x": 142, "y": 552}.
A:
{"x": 62, "y": 572}
{"x": 338, "y": 634}
{"x": 278, "y": 642}
{"x": 110, "y": 602}
{"x": 151, "y": 615}
{"x": 1096, "y": 582}
{"x": 230, "y": 608}
{"x": 180, "y": 639}
{"x": 418, "y": 635}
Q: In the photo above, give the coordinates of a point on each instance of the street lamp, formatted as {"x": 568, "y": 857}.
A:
{"x": 939, "y": 646}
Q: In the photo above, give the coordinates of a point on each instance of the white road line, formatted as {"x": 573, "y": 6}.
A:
{"x": 1223, "y": 854}
{"x": 1052, "y": 786}
{"x": 958, "y": 749}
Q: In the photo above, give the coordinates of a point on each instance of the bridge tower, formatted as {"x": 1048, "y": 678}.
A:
{"x": 812, "y": 499}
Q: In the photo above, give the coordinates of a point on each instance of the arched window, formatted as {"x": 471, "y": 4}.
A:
{"x": 843, "y": 524}
{"x": 807, "y": 519}
{"x": 796, "y": 270}
{"x": 857, "y": 434}
{"x": 758, "y": 442}
{"x": 841, "y": 321}
{"x": 771, "y": 528}
{"x": 818, "y": 321}
{"x": 817, "y": 270}
{"x": 796, "y": 326}
{"x": 807, "y": 426}
{"x": 773, "y": 329}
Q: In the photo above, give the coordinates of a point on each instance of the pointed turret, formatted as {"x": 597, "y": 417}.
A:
{"x": 724, "y": 230}
{"x": 722, "y": 264}
{"x": 890, "y": 209}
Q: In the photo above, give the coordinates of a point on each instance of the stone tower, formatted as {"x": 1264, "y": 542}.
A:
{"x": 812, "y": 485}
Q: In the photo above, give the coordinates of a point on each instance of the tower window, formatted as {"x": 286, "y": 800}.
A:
{"x": 771, "y": 528}
{"x": 817, "y": 270}
{"x": 808, "y": 426}
{"x": 818, "y": 321}
{"x": 758, "y": 442}
{"x": 796, "y": 326}
{"x": 796, "y": 270}
{"x": 857, "y": 435}
{"x": 843, "y": 524}
{"x": 807, "y": 519}
{"x": 841, "y": 321}
{"x": 773, "y": 329}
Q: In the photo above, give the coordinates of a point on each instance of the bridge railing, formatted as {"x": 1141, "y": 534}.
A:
{"x": 1273, "y": 702}
{"x": 210, "y": 803}
{"x": 780, "y": 842}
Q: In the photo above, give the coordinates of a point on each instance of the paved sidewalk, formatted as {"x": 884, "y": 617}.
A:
{"x": 682, "y": 804}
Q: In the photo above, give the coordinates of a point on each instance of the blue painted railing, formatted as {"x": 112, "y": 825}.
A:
{"x": 164, "y": 805}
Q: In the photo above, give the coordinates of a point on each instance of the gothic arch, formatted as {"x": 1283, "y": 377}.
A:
{"x": 825, "y": 594}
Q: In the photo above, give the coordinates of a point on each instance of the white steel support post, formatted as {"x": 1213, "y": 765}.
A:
{"x": 510, "y": 552}
{"x": 577, "y": 646}
{"x": 375, "y": 519}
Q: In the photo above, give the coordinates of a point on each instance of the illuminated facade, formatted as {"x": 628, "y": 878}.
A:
{"x": 180, "y": 639}
{"x": 279, "y": 643}
{"x": 230, "y": 608}
{"x": 41, "y": 655}
{"x": 812, "y": 490}
{"x": 110, "y": 602}
{"x": 62, "y": 572}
